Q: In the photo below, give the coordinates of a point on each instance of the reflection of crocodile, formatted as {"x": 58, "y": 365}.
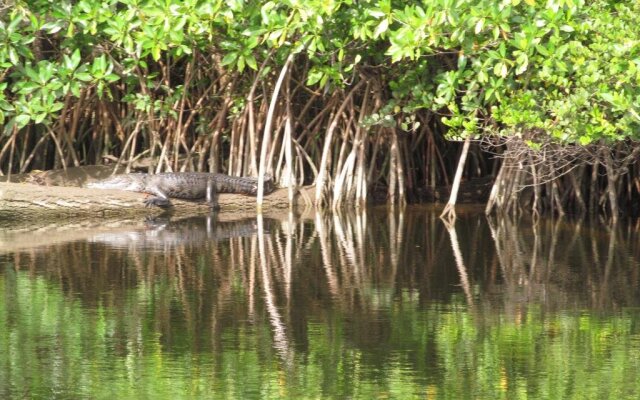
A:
{"x": 164, "y": 234}
{"x": 183, "y": 185}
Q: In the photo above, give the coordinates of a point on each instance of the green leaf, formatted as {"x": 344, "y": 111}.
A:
{"x": 22, "y": 120}
{"x": 251, "y": 62}
{"x": 31, "y": 73}
{"x": 99, "y": 65}
{"x": 230, "y": 58}
{"x": 462, "y": 61}
{"x": 52, "y": 27}
{"x": 479, "y": 26}
{"x": 26, "y": 87}
{"x": 543, "y": 50}
{"x": 111, "y": 78}
{"x": 483, "y": 77}
{"x": 156, "y": 52}
{"x": 75, "y": 58}
{"x": 40, "y": 117}
{"x": 14, "y": 24}
{"x": 314, "y": 77}
{"x": 13, "y": 56}
{"x": 83, "y": 76}
{"x": 74, "y": 88}
{"x": 500, "y": 69}
{"x": 6, "y": 106}
{"x": 522, "y": 62}
{"x": 381, "y": 28}
{"x": 241, "y": 63}
{"x": 100, "y": 89}
{"x": 584, "y": 140}
{"x": 57, "y": 106}
{"x": 608, "y": 97}
{"x": 275, "y": 35}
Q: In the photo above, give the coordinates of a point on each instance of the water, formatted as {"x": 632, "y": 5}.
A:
{"x": 375, "y": 305}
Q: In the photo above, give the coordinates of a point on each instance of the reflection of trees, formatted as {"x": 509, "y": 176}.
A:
{"x": 358, "y": 262}
{"x": 560, "y": 264}
{"x": 197, "y": 284}
{"x": 281, "y": 342}
{"x": 457, "y": 253}
{"x": 354, "y": 290}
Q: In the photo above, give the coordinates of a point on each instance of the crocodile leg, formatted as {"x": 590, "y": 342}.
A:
{"x": 159, "y": 198}
{"x": 212, "y": 194}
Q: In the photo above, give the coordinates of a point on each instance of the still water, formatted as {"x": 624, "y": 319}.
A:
{"x": 376, "y": 305}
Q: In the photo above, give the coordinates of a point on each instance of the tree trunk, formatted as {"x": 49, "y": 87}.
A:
{"x": 612, "y": 178}
{"x": 449, "y": 212}
{"x": 266, "y": 138}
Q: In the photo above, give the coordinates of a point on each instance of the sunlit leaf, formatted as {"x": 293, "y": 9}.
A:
{"x": 251, "y": 62}
{"x": 522, "y": 63}
{"x": 314, "y": 77}
{"x": 229, "y": 58}
{"x": 52, "y": 27}
{"x": 381, "y": 28}
{"x": 479, "y": 26}
{"x": 22, "y": 120}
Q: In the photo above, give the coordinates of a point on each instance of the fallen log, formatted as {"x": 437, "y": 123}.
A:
{"x": 27, "y": 201}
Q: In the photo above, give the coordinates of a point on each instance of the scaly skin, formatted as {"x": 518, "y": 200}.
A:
{"x": 183, "y": 185}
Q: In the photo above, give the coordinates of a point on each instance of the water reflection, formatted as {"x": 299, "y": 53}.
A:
{"x": 363, "y": 305}
{"x": 562, "y": 264}
{"x": 163, "y": 233}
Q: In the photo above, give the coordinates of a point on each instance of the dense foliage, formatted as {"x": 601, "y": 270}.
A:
{"x": 173, "y": 79}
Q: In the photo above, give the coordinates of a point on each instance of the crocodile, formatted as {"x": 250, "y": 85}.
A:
{"x": 183, "y": 185}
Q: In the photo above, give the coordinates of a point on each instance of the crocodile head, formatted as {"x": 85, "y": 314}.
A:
{"x": 130, "y": 182}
